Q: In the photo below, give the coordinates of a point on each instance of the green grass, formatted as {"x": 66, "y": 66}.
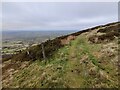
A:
{"x": 66, "y": 68}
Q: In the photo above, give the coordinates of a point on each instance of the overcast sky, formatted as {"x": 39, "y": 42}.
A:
{"x": 57, "y": 15}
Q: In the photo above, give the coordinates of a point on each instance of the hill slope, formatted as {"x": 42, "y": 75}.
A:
{"x": 90, "y": 60}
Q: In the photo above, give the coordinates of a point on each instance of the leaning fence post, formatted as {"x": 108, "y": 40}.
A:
{"x": 85, "y": 69}
{"x": 43, "y": 51}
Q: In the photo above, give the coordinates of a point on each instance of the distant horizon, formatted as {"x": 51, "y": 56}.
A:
{"x": 61, "y": 29}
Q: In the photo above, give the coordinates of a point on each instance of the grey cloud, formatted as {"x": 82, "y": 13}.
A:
{"x": 63, "y": 15}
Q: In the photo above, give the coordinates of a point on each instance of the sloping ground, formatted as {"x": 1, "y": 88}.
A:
{"x": 91, "y": 60}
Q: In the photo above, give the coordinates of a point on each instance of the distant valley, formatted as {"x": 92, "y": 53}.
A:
{"x": 14, "y": 41}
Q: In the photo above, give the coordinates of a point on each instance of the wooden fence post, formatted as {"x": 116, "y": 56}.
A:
{"x": 85, "y": 69}
{"x": 43, "y": 51}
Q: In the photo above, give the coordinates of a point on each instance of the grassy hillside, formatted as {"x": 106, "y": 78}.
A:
{"x": 85, "y": 62}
